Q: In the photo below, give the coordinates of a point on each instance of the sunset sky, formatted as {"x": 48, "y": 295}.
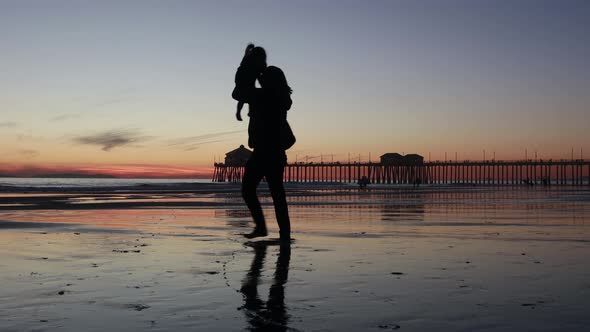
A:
{"x": 142, "y": 88}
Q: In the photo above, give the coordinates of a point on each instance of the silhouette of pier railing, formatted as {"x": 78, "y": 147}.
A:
{"x": 527, "y": 172}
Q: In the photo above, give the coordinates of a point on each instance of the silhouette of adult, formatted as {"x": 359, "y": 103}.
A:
{"x": 266, "y": 135}
{"x": 272, "y": 315}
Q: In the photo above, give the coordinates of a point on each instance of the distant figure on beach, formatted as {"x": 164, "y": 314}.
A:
{"x": 269, "y": 135}
{"x": 363, "y": 182}
{"x": 417, "y": 182}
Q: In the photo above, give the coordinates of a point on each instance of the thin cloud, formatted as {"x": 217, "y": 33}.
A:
{"x": 198, "y": 145}
{"x": 29, "y": 138}
{"x": 312, "y": 157}
{"x": 111, "y": 101}
{"x": 8, "y": 124}
{"x": 111, "y": 139}
{"x": 114, "y": 97}
{"x": 29, "y": 153}
{"x": 201, "y": 138}
{"x": 63, "y": 117}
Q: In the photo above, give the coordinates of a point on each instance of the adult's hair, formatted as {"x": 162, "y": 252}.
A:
{"x": 258, "y": 52}
{"x": 275, "y": 79}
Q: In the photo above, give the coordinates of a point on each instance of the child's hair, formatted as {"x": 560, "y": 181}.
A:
{"x": 252, "y": 52}
{"x": 274, "y": 78}
{"x": 247, "y": 53}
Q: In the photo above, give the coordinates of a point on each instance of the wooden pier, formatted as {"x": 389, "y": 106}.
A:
{"x": 525, "y": 172}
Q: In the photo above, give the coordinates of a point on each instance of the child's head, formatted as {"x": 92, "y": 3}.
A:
{"x": 254, "y": 56}
{"x": 247, "y": 53}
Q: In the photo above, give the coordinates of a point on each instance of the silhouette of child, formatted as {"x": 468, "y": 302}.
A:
{"x": 246, "y": 76}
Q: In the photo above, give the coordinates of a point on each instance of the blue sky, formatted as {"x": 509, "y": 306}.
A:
{"x": 368, "y": 76}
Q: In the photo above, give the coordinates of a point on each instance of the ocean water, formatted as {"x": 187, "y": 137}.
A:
{"x": 90, "y": 182}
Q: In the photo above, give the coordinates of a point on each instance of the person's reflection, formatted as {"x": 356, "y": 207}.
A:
{"x": 272, "y": 315}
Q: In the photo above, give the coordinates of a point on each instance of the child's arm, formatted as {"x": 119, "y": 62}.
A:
{"x": 245, "y": 94}
{"x": 238, "y": 115}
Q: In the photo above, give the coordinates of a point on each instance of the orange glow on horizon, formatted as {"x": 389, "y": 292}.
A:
{"x": 119, "y": 171}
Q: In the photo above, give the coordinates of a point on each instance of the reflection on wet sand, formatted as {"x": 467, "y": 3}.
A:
{"x": 272, "y": 315}
{"x": 447, "y": 259}
{"x": 412, "y": 209}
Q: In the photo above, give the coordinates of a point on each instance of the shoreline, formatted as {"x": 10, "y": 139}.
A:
{"x": 228, "y": 195}
{"x": 185, "y": 186}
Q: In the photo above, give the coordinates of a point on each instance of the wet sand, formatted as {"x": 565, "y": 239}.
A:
{"x": 447, "y": 259}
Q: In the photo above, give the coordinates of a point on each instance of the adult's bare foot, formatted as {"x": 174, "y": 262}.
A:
{"x": 256, "y": 233}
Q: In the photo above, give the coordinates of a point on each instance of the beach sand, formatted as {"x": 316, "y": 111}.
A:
{"x": 432, "y": 258}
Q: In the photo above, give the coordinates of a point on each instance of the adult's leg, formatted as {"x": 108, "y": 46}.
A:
{"x": 252, "y": 175}
{"x": 274, "y": 177}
